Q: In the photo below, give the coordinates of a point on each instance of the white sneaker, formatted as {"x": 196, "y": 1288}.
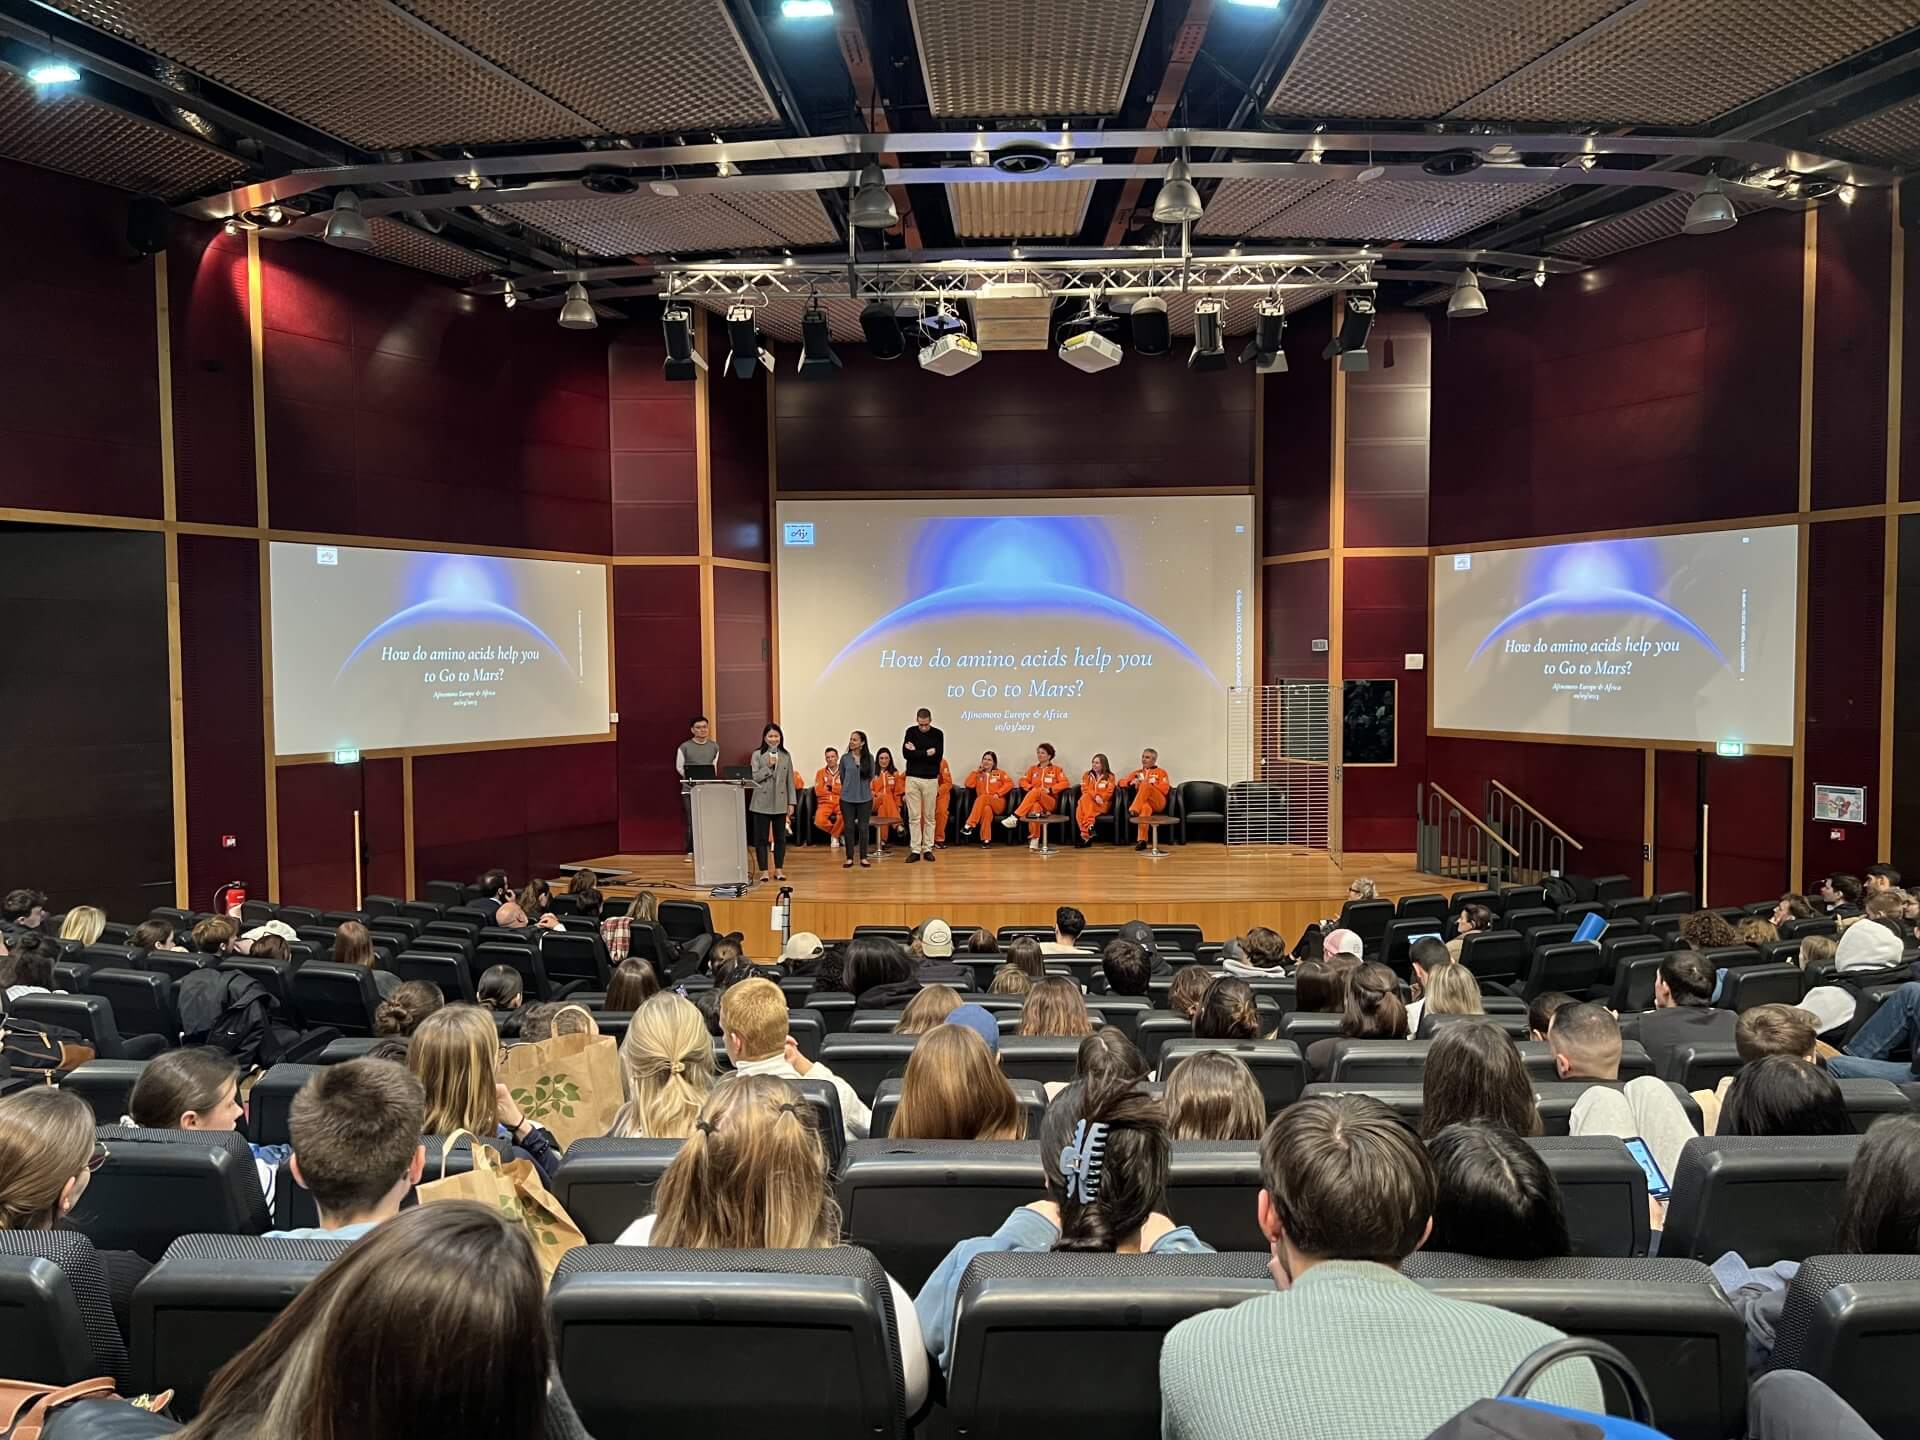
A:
{"x": 836, "y": 843}
{"x": 1010, "y": 823}
{"x": 1033, "y": 844}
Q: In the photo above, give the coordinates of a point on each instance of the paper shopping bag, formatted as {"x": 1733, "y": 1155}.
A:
{"x": 515, "y": 1190}
{"x": 569, "y": 1085}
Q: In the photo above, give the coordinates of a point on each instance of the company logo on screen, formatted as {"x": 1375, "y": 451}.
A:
{"x": 797, "y": 532}
{"x": 1601, "y": 577}
{"x": 1031, "y": 566}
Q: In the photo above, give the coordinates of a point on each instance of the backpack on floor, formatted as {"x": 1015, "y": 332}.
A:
{"x": 1511, "y": 1416}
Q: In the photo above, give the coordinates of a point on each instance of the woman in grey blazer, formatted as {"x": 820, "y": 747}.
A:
{"x": 770, "y": 811}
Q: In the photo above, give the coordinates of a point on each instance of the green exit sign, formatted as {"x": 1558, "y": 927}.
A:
{"x": 1730, "y": 747}
{"x": 346, "y": 755}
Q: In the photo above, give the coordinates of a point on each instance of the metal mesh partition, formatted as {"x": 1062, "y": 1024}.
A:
{"x": 1277, "y": 774}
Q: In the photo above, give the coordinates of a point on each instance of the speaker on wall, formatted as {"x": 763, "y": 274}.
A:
{"x": 147, "y": 223}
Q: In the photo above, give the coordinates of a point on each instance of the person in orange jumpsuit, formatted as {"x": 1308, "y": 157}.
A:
{"x": 1096, "y": 797}
{"x": 943, "y": 803}
{"x": 1044, "y": 783}
{"x": 1150, "y": 787}
{"x": 826, "y": 798}
{"x": 989, "y": 784}
{"x": 889, "y": 795}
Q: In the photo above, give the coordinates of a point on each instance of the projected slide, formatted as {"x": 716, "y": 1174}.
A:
{"x": 377, "y": 649}
{"x": 1092, "y": 625}
{"x": 1680, "y": 637}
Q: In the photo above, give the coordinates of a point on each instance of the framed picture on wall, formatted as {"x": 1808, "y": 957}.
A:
{"x": 1372, "y": 716}
{"x": 1846, "y": 804}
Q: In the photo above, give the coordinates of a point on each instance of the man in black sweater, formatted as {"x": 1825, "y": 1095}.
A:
{"x": 922, "y": 750}
{"x": 1683, "y": 1010}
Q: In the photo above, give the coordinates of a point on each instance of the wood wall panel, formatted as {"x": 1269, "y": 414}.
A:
{"x": 738, "y": 429}
{"x": 223, "y": 675}
{"x": 1844, "y": 639}
{"x": 1851, "y": 323}
{"x": 656, "y": 623}
{"x": 656, "y": 499}
{"x": 743, "y": 666}
{"x": 1297, "y": 441}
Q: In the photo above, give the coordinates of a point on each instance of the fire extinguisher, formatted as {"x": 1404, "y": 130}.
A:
{"x": 230, "y": 898}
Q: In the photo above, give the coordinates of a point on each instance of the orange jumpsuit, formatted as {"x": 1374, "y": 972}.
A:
{"x": 889, "y": 793}
{"x": 989, "y": 789}
{"x": 943, "y": 803}
{"x": 1044, "y": 785}
{"x": 826, "y": 802}
{"x": 1150, "y": 791}
{"x": 1096, "y": 799}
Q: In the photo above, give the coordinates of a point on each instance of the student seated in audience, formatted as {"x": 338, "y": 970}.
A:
{"x": 155, "y": 935}
{"x": 1024, "y": 954}
{"x": 511, "y": 917}
{"x": 1755, "y": 930}
{"x": 1104, "y": 1150}
{"x": 982, "y": 1022}
{"x": 1704, "y": 930}
{"x": 48, "y": 1154}
{"x": 197, "y": 1088}
{"x": 1010, "y": 980}
{"x": 1865, "y": 949}
{"x": 927, "y": 1010}
{"x": 1228, "y": 1011}
{"x": 1374, "y": 1011}
{"x": 403, "y": 1010}
{"x": 879, "y": 974}
{"x": 551, "y": 1018}
{"x": 1262, "y": 955}
{"x": 1105, "y": 1053}
{"x": 493, "y": 893}
{"x": 503, "y": 988}
{"x": 1790, "y": 906}
{"x": 667, "y": 1068}
{"x": 983, "y": 942}
{"x": 753, "y": 1018}
{"x": 23, "y": 909}
{"x": 1449, "y": 988}
{"x": 1318, "y": 989}
{"x": 1212, "y": 1095}
{"x": 1585, "y": 1040}
{"x": 1683, "y": 1012}
{"x": 1341, "y": 945}
{"x": 617, "y": 930}
{"x": 353, "y": 945}
{"x": 1067, "y": 925}
{"x": 455, "y": 1055}
{"x": 1347, "y": 1193}
{"x": 1188, "y": 988}
{"x": 753, "y": 1176}
{"x": 932, "y": 951}
{"x": 1762, "y": 1031}
{"x": 1783, "y": 1095}
{"x": 1840, "y": 895}
{"x": 1424, "y": 956}
{"x": 1472, "y": 920}
{"x": 85, "y": 923}
{"x": 1878, "y": 880}
{"x": 1054, "y": 1006}
{"x": 1880, "y": 1216}
{"x": 1541, "y": 1010}
{"x": 1141, "y": 934}
{"x": 1475, "y": 1073}
{"x": 1892, "y": 1029}
{"x": 356, "y": 1145}
{"x": 215, "y": 936}
{"x": 366, "y": 1348}
{"x": 954, "y": 1090}
{"x": 265, "y": 942}
{"x": 27, "y": 966}
{"x": 1124, "y": 969}
{"x": 1494, "y": 1196}
{"x": 536, "y": 898}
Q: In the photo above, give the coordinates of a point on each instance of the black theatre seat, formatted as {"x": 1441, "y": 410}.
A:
{"x": 1853, "y": 1321}
{"x": 909, "y": 1201}
{"x": 106, "y": 1085}
{"x": 607, "y": 1184}
{"x": 56, "y": 1309}
{"x": 1773, "y": 1197}
{"x": 160, "y": 1184}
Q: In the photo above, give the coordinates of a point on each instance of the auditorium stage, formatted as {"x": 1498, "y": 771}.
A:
{"x": 1220, "y": 888}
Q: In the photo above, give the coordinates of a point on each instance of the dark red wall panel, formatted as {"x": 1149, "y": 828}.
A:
{"x": 1910, "y": 372}
{"x": 1297, "y": 441}
{"x": 1020, "y": 420}
{"x": 1386, "y": 620}
{"x": 222, "y": 680}
{"x": 1748, "y": 827}
{"x": 212, "y": 376}
{"x": 737, "y": 431}
{"x": 1593, "y": 792}
{"x": 407, "y": 409}
{"x": 79, "y": 374}
{"x": 656, "y": 623}
{"x": 1844, "y": 570}
{"x": 316, "y": 831}
{"x": 527, "y": 811}
{"x": 1676, "y": 821}
{"x": 1294, "y": 615}
{"x": 743, "y": 664}
{"x": 1850, "y": 327}
{"x": 1387, "y": 436}
{"x": 656, "y": 493}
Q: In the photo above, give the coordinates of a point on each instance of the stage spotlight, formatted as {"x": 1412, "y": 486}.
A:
{"x": 744, "y": 337}
{"x": 1151, "y": 333}
{"x": 872, "y": 208}
{"x": 510, "y": 297}
{"x": 48, "y": 73}
{"x": 817, "y": 357}
{"x": 1466, "y": 300}
{"x": 346, "y": 226}
{"x": 577, "y": 313}
{"x": 882, "y": 329}
{"x": 1349, "y": 342}
{"x": 1710, "y": 211}
{"x": 1178, "y": 200}
{"x": 683, "y": 361}
{"x": 1209, "y": 345}
{"x": 1270, "y": 324}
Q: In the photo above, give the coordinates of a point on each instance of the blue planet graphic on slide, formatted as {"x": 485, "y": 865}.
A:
{"x": 455, "y": 592}
{"x": 1018, "y": 566}
{"x": 1611, "y": 576}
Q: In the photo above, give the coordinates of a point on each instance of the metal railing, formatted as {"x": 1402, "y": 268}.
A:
{"x": 1540, "y": 846}
{"x": 1456, "y": 843}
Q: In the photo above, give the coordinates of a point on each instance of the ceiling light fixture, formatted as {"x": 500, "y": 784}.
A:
{"x": 806, "y": 9}
{"x": 1256, "y": 4}
{"x": 1540, "y": 276}
{"x": 1178, "y": 202}
{"x": 1349, "y": 343}
{"x": 1209, "y": 344}
{"x": 1152, "y": 335}
{"x": 1711, "y": 210}
{"x": 577, "y": 313}
{"x": 346, "y": 226}
{"x": 817, "y": 357}
{"x": 872, "y": 208}
{"x": 510, "y": 297}
{"x": 48, "y": 73}
{"x": 683, "y": 361}
{"x": 748, "y": 350}
{"x": 665, "y": 189}
{"x": 1269, "y": 330}
{"x": 1466, "y": 300}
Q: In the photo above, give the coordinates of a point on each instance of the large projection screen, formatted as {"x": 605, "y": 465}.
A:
{"x": 1094, "y": 625}
{"x": 1678, "y": 638}
{"x": 388, "y": 649}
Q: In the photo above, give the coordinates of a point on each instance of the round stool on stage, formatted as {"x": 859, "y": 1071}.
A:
{"x": 877, "y": 830}
{"x": 1046, "y": 824}
{"x": 1154, "y": 824}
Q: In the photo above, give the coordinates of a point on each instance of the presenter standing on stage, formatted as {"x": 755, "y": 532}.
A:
{"x": 770, "y": 812}
{"x": 924, "y": 748}
{"x": 856, "y": 798}
{"x": 696, "y": 759}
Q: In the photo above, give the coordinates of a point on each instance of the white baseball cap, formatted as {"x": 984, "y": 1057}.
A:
{"x": 936, "y": 940}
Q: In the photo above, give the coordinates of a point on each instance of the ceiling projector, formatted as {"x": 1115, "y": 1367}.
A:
{"x": 1089, "y": 351}
{"x": 950, "y": 354}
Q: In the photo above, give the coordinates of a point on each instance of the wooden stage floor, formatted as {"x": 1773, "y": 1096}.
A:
{"x": 1220, "y": 888}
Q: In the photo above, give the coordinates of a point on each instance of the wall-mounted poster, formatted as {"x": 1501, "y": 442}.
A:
{"x": 1845, "y": 803}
